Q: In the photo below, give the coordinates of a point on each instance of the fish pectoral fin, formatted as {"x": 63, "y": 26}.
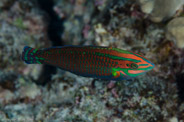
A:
{"x": 116, "y": 74}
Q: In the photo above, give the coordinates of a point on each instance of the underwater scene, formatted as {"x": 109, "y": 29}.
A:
{"x": 91, "y": 60}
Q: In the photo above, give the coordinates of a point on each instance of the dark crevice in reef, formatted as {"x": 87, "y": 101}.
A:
{"x": 55, "y": 29}
{"x": 180, "y": 85}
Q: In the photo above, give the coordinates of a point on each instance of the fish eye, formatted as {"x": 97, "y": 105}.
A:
{"x": 134, "y": 66}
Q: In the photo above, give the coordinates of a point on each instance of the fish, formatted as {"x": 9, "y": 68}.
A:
{"x": 91, "y": 61}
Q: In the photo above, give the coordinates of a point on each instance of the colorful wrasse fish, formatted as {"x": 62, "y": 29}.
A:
{"x": 91, "y": 61}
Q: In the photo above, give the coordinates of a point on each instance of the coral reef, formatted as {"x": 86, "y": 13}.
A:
{"x": 155, "y": 96}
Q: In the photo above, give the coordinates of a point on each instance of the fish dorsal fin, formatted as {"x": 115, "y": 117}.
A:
{"x": 141, "y": 54}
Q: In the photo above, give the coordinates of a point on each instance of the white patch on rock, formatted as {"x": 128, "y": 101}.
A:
{"x": 173, "y": 119}
{"x": 146, "y": 6}
{"x": 29, "y": 90}
{"x": 160, "y": 9}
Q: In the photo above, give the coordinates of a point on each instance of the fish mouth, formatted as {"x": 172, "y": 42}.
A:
{"x": 152, "y": 65}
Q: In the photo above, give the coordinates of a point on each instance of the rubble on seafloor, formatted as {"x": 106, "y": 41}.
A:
{"x": 124, "y": 24}
{"x": 22, "y": 23}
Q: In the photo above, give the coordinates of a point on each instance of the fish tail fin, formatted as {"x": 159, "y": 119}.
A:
{"x": 30, "y": 56}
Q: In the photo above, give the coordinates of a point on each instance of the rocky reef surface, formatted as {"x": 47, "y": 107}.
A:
{"x": 137, "y": 25}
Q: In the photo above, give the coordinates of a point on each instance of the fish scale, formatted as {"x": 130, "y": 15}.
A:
{"x": 91, "y": 61}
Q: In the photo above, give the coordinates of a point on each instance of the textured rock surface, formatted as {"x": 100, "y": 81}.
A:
{"x": 68, "y": 97}
{"x": 175, "y": 31}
